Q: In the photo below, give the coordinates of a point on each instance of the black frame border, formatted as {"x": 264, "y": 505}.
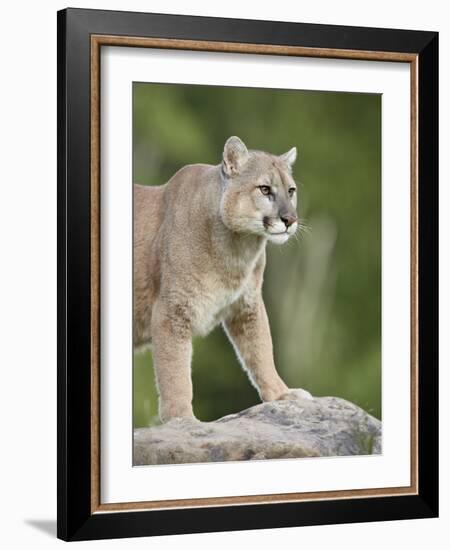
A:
{"x": 75, "y": 520}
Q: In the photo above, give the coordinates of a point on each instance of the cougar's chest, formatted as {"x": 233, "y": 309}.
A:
{"x": 230, "y": 274}
{"x": 215, "y": 299}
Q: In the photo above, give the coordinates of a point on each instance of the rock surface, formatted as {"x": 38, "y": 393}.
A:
{"x": 324, "y": 426}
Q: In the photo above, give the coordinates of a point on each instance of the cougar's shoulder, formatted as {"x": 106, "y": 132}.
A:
{"x": 184, "y": 185}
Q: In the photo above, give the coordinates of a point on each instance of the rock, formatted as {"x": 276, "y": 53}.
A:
{"x": 323, "y": 426}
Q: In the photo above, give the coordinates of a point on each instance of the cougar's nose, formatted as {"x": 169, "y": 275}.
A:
{"x": 288, "y": 219}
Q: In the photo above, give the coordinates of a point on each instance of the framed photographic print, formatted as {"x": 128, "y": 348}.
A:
{"x": 247, "y": 256}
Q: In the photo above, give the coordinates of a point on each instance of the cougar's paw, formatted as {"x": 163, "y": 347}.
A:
{"x": 297, "y": 393}
{"x": 186, "y": 422}
{"x": 167, "y": 414}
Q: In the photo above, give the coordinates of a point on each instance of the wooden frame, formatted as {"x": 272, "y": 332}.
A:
{"x": 81, "y": 34}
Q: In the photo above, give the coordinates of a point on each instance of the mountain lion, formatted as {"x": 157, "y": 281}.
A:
{"x": 199, "y": 258}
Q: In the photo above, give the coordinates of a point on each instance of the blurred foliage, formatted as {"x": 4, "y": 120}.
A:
{"x": 322, "y": 291}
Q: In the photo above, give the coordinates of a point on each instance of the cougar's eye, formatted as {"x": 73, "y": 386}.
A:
{"x": 265, "y": 189}
{"x": 291, "y": 191}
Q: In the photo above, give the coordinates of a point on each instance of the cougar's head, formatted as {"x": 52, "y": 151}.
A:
{"x": 259, "y": 195}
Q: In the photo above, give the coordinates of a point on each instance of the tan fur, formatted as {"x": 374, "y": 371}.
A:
{"x": 199, "y": 257}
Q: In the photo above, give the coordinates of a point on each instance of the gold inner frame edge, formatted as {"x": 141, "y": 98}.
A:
{"x": 97, "y": 41}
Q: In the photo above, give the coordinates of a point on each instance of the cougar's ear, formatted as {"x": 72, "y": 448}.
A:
{"x": 290, "y": 157}
{"x": 235, "y": 155}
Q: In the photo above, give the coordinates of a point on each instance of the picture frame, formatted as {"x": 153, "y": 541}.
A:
{"x": 81, "y": 36}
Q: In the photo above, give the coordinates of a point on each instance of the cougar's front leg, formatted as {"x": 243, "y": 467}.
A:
{"x": 249, "y": 331}
{"x": 172, "y": 353}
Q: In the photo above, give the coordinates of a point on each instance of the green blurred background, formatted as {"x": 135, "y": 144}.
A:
{"x": 322, "y": 291}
